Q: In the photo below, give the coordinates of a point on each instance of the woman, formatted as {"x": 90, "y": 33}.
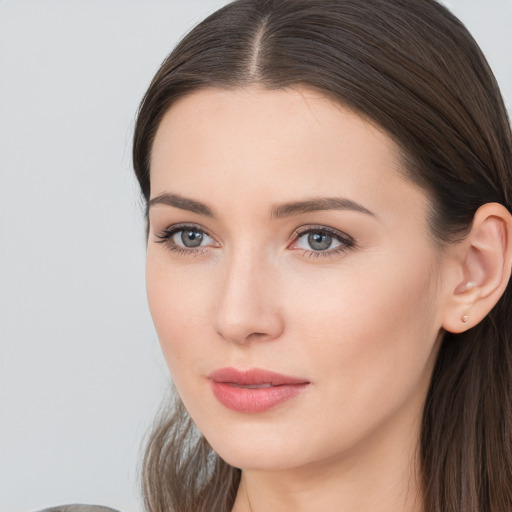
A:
{"x": 328, "y": 186}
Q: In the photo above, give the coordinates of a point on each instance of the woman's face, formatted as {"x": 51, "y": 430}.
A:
{"x": 283, "y": 238}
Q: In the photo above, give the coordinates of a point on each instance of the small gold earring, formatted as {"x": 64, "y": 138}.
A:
{"x": 464, "y": 318}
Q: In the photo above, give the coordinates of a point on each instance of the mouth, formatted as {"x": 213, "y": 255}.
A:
{"x": 251, "y": 386}
{"x": 254, "y": 391}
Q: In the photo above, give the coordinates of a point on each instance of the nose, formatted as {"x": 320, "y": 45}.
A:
{"x": 248, "y": 308}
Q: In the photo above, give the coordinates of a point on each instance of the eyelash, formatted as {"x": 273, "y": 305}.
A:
{"x": 346, "y": 242}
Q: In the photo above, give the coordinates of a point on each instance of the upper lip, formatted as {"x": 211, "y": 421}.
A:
{"x": 253, "y": 377}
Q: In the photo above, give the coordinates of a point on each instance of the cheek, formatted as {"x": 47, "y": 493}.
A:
{"x": 369, "y": 335}
{"x": 389, "y": 295}
{"x": 178, "y": 303}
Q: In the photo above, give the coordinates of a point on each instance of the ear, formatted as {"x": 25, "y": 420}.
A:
{"x": 482, "y": 269}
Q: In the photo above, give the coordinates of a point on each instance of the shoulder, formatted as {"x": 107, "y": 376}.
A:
{"x": 78, "y": 508}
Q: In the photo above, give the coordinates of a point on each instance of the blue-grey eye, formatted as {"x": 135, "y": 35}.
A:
{"x": 319, "y": 240}
{"x": 191, "y": 238}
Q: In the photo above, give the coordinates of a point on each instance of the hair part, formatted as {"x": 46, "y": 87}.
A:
{"x": 411, "y": 68}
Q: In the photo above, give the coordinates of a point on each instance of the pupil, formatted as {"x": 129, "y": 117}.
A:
{"x": 191, "y": 238}
{"x": 319, "y": 241}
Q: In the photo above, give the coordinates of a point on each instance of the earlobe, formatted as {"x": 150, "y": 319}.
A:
{"x": 484, "y": 260}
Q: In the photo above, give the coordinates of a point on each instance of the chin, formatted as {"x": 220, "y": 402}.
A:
{"x": 260, "y": 449}
{"x": 258, "y": 458}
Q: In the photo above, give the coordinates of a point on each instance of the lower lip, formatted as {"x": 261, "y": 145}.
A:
{"x": 252, "y": 401}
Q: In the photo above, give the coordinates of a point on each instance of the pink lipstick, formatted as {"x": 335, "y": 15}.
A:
{"x": 255, "y": 390}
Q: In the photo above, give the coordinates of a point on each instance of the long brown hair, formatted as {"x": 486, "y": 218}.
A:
{"x": 412, "y": 68}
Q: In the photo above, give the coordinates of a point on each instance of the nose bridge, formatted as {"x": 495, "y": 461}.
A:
{"x": 247, "y": 306}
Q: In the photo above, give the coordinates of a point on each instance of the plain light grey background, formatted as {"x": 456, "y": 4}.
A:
{"x": 80, "y": 369}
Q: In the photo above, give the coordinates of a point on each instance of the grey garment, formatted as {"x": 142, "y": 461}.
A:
{"x": 79, "y": 508}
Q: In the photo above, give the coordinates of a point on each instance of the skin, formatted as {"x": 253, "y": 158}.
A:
{"x": 361, "y": 324}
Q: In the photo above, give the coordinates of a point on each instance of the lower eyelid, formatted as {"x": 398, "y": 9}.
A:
{"x": 324, "y": 254}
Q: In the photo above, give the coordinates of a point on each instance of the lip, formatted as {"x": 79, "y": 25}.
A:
{"x": 253, "y": 391}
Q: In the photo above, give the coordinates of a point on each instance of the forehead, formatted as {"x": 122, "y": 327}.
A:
{"x": 255, "y": 110}
{"x": 242, "y": 126}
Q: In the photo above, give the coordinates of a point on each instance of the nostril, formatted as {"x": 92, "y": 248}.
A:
{"x": 256, "y": 335}
{"x": 241, "y": 338}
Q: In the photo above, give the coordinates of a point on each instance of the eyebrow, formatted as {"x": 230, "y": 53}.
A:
{"x": 315, "y": 205}
{"x": 183, "y": 203}
{"x": 277, "y": 212}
